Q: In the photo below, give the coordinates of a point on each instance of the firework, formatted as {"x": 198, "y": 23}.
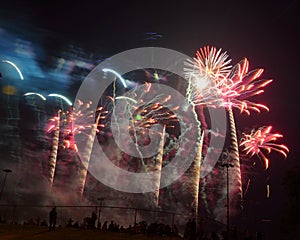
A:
{"x": 85, "y": 158}
{"x": 53, "y": 154}
{"x": 213, "y": 83}
{"x": 148, "y": 111}
{"x": 196, "y": 176}
{"x": 66, "y": 100}
{"x": 145, "y": 110}
{"x": 55, "y": 140}
{"x": 158, "y": 167}
{"x": 16, "y": 67}
{"x": 208, "y": 63}
{"x": 230, "y": 91}
{"x": 262, "y": 141}
{"x": 35, "y": 94}
{"x": 63, "y": 123}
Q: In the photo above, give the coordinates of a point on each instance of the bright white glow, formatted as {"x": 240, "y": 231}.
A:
{"x": 117, "y": 74}
{"x": 37, "y": 94}
{"x": 15, "y": 66}
{"x": 62, "y": 97}
{"x": 201, "y": 83}
{"x": 128, "y": 98}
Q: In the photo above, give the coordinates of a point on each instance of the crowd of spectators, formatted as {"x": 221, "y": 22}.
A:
{"x": 191, "y": 230}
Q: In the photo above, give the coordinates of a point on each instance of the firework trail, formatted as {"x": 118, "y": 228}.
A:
{"x": 63, "y": 127}
{"x": 247, "y": 187}
{"x": 213, "y": 83}
{"x": 204, "y": 75}
{"x": 55, "y": 141}
{"x": 196, "y": 176}
{"x": 235, "y": 180}
{"x": 149, "y": 110}
{"x": 262, "y": 140}
{"x": 61, "y": 131}
{"x": 53, "y": 154}
{"x": 158, "y": 167}
{"x": 85, "y": 157}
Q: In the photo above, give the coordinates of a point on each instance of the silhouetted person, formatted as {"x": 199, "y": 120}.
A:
{"x": 175, "y": 230}
{"x": 111, "y": 226}
{"x": 104, "y": 227}
{"x": 93, "y": 219}
{"x": 52, "y": 219}
{"x": 70, "y": 222}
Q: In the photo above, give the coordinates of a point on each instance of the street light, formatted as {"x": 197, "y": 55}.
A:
{"x": 227, "y": 165}
{"x": 7, "y": 171}
{"x": 100, "y": 204}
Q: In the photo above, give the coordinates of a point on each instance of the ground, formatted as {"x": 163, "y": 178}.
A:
{"x": 19, "y": 232}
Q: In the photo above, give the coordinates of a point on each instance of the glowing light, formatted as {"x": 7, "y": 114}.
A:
{"x": 62, "y": 97}
{"x": 201, "y": 83}
{"x": 9, "y": 90}
{"x": 54, "y": 150}
{"x": 247, "y": 187}
{"x": 117, "y": 74}
{"x": 15, "y": 66}
{"x": 37, "y": 94}
{"x": 101, "y": 113}
{"x": 209, "y": 63}
{"x": 260, "y": 141}
{"x": 138, "y": 117}
{"x": 212, "y": 82}
{"x": 268, "y": 191}
{"x": 128, "y": 98}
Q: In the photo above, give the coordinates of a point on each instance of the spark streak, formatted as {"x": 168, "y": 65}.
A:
{"x": 260, "y": 141}
{"x": 37, "y": 94}
{"x": 213, "y": 83}
{"x": 16, "y": 67}
{"x": 85, "y": 159}
{"x": 117, "y": 74}
{"x": 53, "y": 155}
{"x": 62, "y": 97}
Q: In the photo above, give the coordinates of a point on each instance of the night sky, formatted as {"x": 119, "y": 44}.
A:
{"x": 266, "y": 32}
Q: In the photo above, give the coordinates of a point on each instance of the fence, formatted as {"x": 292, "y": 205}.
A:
{"x": 124, "y": 216}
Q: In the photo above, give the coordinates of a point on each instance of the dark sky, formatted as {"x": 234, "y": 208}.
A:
{"x": 266, "y": 32}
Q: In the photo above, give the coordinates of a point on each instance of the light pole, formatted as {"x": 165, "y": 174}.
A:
{"x": 7, "y": 171}
{"x": 227, "y": 165}
{"x": 100, "y": 204}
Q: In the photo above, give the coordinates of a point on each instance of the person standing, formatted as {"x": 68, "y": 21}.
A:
{"x": 52, "y": 219}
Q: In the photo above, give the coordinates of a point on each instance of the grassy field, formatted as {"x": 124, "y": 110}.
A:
{"x": 19, "y": 232}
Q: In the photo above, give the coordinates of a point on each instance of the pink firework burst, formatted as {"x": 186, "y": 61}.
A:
{"x": 260, "y": 141}
{"x": 215, "y": 84}
{"x": 79, "y": 115}
{"x": 241, "y": 85}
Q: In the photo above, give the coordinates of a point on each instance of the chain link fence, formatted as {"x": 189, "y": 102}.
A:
{"x": 124, "y": 216}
